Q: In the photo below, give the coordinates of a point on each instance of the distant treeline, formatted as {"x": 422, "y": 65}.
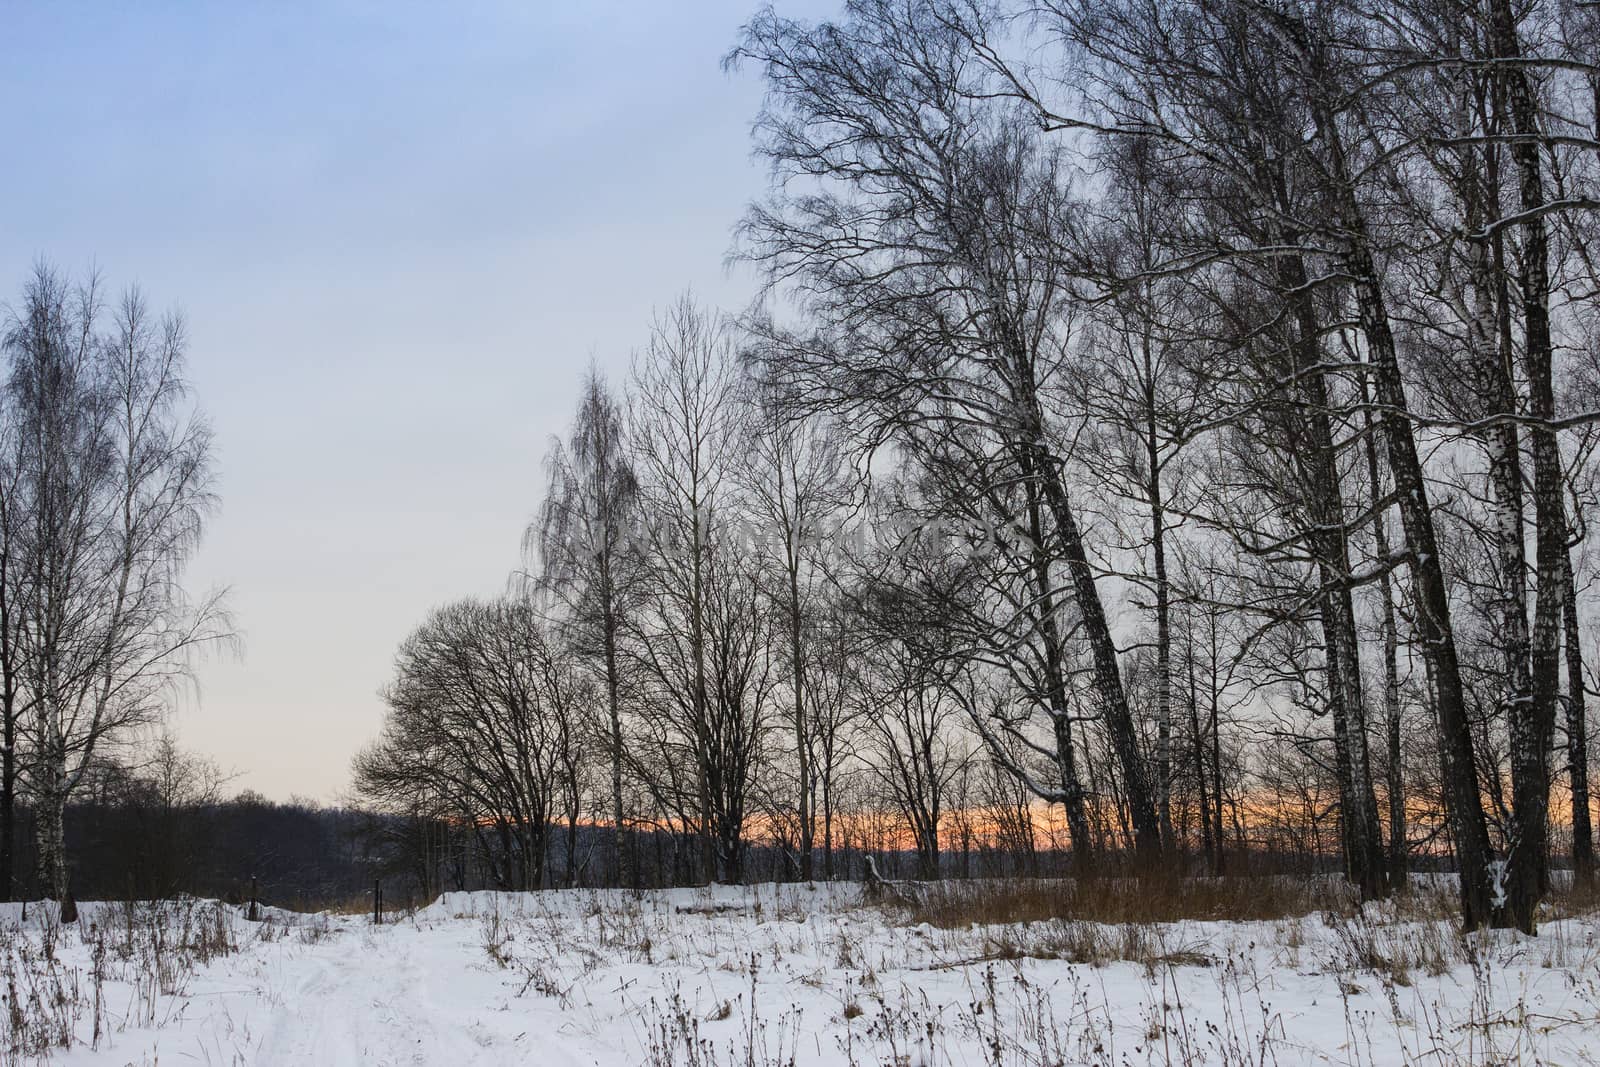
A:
{"x": 127, "y": 844}
{"x": 427, "y": 858}
{"x": 307, "y": 857}
{"x": 162, "y": 830}
{"x": 124, "y": 847}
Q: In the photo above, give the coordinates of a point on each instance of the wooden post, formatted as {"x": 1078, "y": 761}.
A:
{"x": 377, "y": 902}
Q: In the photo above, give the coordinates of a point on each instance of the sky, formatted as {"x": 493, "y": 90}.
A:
{"x": 398, "y": 233}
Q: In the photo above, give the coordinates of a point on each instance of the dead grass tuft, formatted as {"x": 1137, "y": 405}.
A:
{"x": 1124, "y": 901}
{"x": 1572, "y": 900}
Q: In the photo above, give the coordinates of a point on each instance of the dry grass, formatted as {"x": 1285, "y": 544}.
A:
{"x": 1571, "y": 901}
{"x": 394, "y": 908}
{"x": 1124, "y": 901}
{"x": 148, "y": 950}
{"x": 355, "y": 905}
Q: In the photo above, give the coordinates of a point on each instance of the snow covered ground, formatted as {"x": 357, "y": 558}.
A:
{"x": 773, "y": 975}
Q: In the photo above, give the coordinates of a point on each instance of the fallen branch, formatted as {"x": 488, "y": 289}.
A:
{"x": 877, "y": 888}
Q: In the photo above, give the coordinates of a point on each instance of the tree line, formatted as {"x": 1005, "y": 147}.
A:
{"x": 1177, "y": 414}
{"x": 160, "y": 821}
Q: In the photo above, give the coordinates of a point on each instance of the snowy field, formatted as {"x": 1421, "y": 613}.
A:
{"x": 774, "y": 975}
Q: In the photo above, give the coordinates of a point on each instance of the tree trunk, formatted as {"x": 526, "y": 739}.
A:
{"x": 1209, "y": 843}
{"x": 50, "y": 820}
{"x": 1458, "y": 769}
{"x": 1480, "y": 886}
{"x": 827, "y": 826}
{"x": 1358, "y": 802}
{"x": 1072, "y": 790}
{"x": 8, "y": 727}
{"x": 1395, "y": 782}
{"x": 1533, "y": 725}
{"x": 802, "y": 733}
{"x": 8, "y": 797}
{"x": 697, "y": 644}
{"x": 614, "y": 708}
{"x": 1577, "y": 738}
{"x": 572, "y": 846}
{"x": 1324, "y": 502}
{"x": 1158, "y": 550}
{"x": 1215, "y": 702}
{"x": 1055, "y": 678}
{"x": 1107, "y": 673}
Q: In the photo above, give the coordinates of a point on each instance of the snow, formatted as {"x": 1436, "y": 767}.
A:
{"x": 793, "y": 974}
{"x": 1497, "y": 883}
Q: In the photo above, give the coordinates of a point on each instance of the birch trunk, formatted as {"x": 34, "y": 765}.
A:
{"x": 1359, "y": 828}
{"x": 1107, "y": 675}
{"x": 50, "y": 814}
{"x": 1533, "y": 725}
{"x": 1209, "y": 842}
{"x": 1039, "y": 466}
{"x": 802, "y": 733}
{"x": 1395, "y": 783}
{"x": 1478, "y": 883}
{"x": 8, "y": 797}
{"x": 1577, "y": 737}
{"x": 614, "y": 709}
{"x": 1083, "y": 845}
{"x": 1158, "y": 550}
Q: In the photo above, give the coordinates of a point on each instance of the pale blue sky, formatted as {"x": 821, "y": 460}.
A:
{"x": 398, "y": 233}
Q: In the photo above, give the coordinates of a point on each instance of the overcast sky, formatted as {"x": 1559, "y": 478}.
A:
{"x": 398, "y": 233}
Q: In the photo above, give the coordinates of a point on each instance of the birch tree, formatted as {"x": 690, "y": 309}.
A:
{"x": 695, "y": 637}
{"x": 797, "y": 480}
{"x": 115, "y": 480}
{"x": 588, "y": 546}
{"x": 939, "y": 314}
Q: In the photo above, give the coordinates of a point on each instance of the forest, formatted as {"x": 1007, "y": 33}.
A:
{"x": 1162, "y": 442}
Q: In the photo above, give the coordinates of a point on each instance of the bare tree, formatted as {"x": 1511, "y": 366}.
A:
{"x": 13, "y": 706}
{"x": 588, "y": 552}
{"x": 1142, "y": 398}
{"x": 912, "y": 740}
{"x": 685, "y": 392}
{"x": 832, "y": 714}
{"x": 798, "y": 484}
{"x": 928, "y": 258}
{"x": 116, "y": 483}
{"x": 1274, "y": 331}
{"x": 484, "y": 710}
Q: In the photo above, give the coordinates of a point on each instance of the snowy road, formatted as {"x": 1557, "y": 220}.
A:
{"x": 377, "y": 1006}
{"x": 394, "y": 995}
